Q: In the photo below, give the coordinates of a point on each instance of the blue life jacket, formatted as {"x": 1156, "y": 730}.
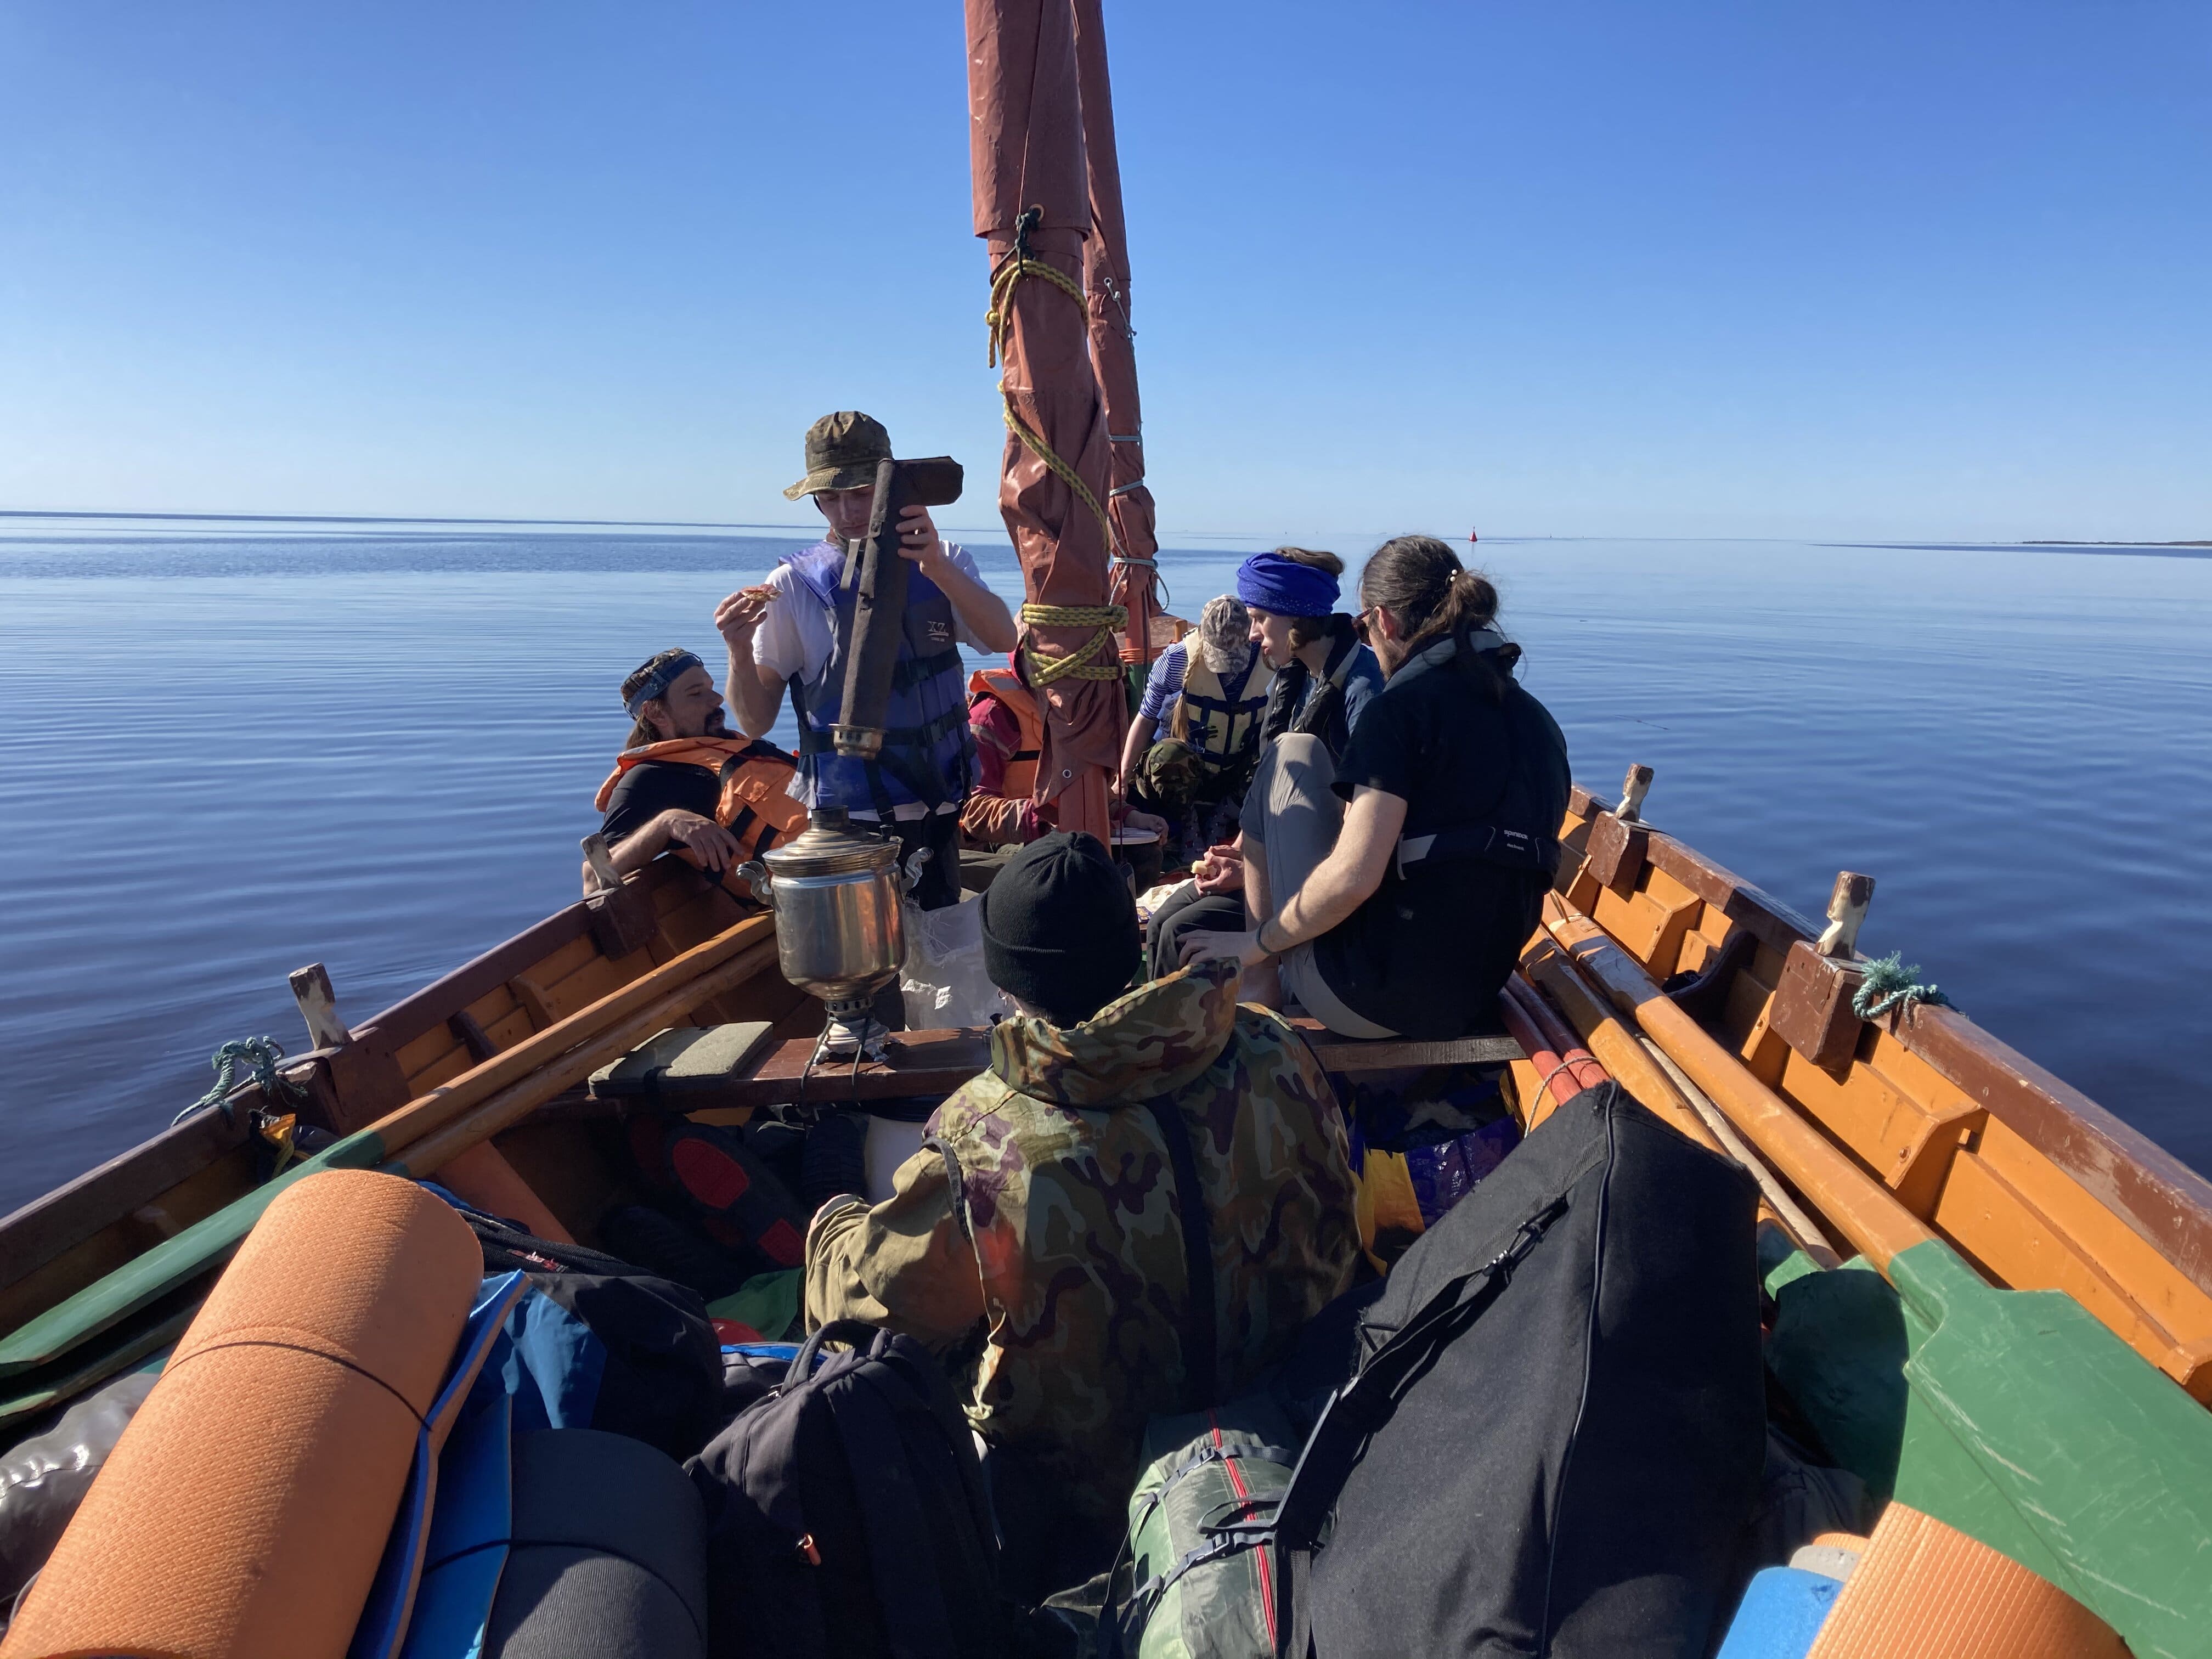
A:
{"x": 928, "y": 756}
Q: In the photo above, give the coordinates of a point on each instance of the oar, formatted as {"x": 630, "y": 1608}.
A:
{"x": 1869, "y": 1218}
{"x": 510, "y": 1105}
{"x": 1713, "y": 1130}
{"x": 1563, "y": 1067}
{"x": 1614, "y": 1045}
{"x": 433, "y": 1110}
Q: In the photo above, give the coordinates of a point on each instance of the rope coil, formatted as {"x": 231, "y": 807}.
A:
{"x": 1107, "y": 619}
{"x": 999, "y": 323}
{"x": 259, "y": 1057}
{"x": 1889, "y": 983}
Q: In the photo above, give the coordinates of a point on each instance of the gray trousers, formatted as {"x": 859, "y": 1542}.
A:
{"x": 1294, "y": 811}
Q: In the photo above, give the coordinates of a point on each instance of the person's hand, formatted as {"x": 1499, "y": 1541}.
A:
{"x": 918, "y": 539}
{"x": 737, "y": 617}
{"x": 1144, "y": 822}
{"x": 1220, "y": 871}
{"x": 715, "y": 847}
{"x": 1210, "y": 947}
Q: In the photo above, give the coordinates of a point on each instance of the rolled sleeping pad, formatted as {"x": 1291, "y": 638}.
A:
{"x": 246, "y": 1509}
{"x": 1780, "y": 1614}
{"x": 621, "y": 1575}
{"x": 1923, "y": 1590}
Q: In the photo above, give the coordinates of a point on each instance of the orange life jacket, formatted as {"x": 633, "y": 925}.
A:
{"x": 756, "y": 805}
{"x": 1007, "y": 687}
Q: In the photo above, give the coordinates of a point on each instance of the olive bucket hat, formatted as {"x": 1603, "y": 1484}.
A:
{"x": 842, "y": 452}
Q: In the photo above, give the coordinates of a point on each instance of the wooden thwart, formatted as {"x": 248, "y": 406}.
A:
{"x": 917, "y": 1063}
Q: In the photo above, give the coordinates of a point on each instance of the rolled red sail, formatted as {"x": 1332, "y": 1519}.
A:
{"x": 1113, "y": 342}
{"x": 1026, "y": 149}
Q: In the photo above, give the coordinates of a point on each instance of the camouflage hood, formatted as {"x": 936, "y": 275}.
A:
{"x": 1154, "y": 1041}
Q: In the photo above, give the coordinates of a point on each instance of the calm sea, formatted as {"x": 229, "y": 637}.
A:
{"x": 224, "y": 756}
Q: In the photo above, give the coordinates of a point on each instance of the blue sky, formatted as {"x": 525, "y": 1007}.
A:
{"x": 1877, "y": 270}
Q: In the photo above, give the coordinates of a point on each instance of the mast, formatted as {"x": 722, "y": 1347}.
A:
{"x": 1113, "y": 341}
{"x": 1032, "y": 192}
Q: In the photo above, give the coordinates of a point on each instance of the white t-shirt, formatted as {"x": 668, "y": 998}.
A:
{"x": 797, "y": 635}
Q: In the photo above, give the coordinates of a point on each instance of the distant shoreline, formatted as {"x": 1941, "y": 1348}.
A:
{"x": 2056, "y": 542}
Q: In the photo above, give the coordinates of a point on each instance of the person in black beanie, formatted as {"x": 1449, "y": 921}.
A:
{"x": 1049, "y": 1209}
{"x": 1059, "y": 927}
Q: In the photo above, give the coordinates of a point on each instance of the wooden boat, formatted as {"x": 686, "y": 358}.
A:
{"x": 1990, "y": 1298}
{"x": 1911, "y": 1142}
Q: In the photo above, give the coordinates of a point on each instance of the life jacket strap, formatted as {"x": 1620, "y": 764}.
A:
{"x": 1492, "y": 843}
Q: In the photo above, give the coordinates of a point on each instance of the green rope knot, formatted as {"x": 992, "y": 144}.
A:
{"x": 259, "y": 1057}
{"x": 1889, "y": 983}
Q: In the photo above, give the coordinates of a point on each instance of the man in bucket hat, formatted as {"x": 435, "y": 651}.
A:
{"x": 786, "y": 632}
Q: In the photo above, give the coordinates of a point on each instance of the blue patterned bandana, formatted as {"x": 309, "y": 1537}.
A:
{"x": 654, "y": 676}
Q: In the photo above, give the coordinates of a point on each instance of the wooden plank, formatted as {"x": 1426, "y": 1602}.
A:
{"x": 2000, "y": 1231}
{"x": 939, "y": 1062}
{"x": 1650, "y": 929}
{"x": 1341, "y": 1057}
{"x": 596, "y": 978}
{"x": 428, "y": 1052}
{"x": 531, "y": 993}
{"x": 411, "y": 1017}
{"x": 2162, "y": 1289}
{"x": 1879, "y": 1124}
{"x": 43, "y": 1229}
{"x": 914, "y": 1063}
{"x": 1741, "y": 902}
{"x": 2160, "y": 1198}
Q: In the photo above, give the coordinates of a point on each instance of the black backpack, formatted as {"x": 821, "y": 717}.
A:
{"x": 845, "y": 1513}
{"x": 1556, "y": 1424}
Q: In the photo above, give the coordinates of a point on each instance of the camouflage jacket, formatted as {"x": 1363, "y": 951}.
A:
{"x": 1040, "y": 1216}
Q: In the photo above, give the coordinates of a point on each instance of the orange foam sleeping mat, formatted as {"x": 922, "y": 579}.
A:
{"x": 1923, "y": 1590}
{"x": 243, "y": 1513}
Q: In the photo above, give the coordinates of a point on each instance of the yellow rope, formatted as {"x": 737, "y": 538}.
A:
{"x": 1077, "y": 664}
{"x": 999, "y": 321}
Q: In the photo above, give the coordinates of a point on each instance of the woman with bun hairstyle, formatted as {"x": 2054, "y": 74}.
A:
{"x": 1398, "y": 884}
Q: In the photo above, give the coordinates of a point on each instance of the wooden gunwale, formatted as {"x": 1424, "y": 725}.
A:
{"x": 2032, "y": 1181}
{"x": 88, "y": 1219}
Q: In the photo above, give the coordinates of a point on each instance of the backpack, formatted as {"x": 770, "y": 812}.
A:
{"x": 845, "y": 1513}
{"x": 1557, "y": 1426}
{"x": 629, "y": 1354}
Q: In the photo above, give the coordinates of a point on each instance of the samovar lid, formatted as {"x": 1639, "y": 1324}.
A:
{"x": 830, "y": 846}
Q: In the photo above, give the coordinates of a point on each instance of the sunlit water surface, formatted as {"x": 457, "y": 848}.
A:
{"x": 224, "y": 755}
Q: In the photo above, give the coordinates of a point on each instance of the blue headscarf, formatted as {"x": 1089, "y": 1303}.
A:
{"x": 1284, "y": 587}
{"x": 654, "y": 678}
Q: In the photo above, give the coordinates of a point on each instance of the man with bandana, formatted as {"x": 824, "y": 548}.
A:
{"x": 684, "y": 781}
{"x": 790, "y": 633}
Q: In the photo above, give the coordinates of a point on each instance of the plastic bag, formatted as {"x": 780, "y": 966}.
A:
{"x": 43, "y": 1479}
{"x": 942, "y": 981}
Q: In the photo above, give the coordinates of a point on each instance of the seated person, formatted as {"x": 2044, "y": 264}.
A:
{"x": 1404, "y": 920}
{"x": 685, "y": 781}
{"x": 1210, "y": 692}
{"x": 1324, "y": 671}
{"x": 1008, "y": 726}
{"x": 1051, "y": 1169}
{"x": 1323, "y": 676}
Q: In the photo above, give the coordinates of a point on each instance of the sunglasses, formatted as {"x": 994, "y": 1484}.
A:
{"x": 1364, "y": 628}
